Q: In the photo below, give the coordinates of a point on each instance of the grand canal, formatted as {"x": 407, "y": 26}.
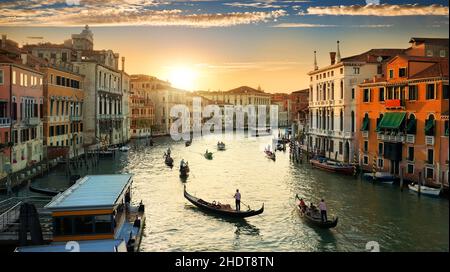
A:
{"x": 398, "y": 221}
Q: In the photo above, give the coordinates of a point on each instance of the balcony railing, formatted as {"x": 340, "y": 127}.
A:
{"x": 75, "y": 118}
{"x": 391, "y": 138}
{"x": 429, "y": 140}
{"x": 394, "y": 103}
{"x": 31, "y": 121}
{"x": 5, "y": 121}
{"x": 365, "y": 134}
{"x": 104, "y": 116}
{"x": 410, "y": 138}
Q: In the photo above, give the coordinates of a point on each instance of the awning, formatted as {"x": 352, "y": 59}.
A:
{"x": 411, "y": 127}
{"x": 446, "y": 132}
{"x": 392, "y": 120}
{"x": 365, "y": 124}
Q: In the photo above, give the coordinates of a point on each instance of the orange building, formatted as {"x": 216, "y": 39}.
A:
{"x": 403, "y": 120}
{"x": 63, "y": 110}
{"x": 142, "y": 114}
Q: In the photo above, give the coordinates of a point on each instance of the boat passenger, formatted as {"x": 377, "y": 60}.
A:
{"x": 323, "y": 210}
{"x": 182, "y": 164}
{"x": 302, "y": 204}
{"x": 237, "y": 197}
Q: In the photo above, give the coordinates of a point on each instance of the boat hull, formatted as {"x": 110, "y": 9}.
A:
{"x": 317, "y": 222}
{"x": 345, "y": 170}
{"x": 425, "y": 190}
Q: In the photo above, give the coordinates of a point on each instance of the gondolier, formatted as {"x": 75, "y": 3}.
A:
{"x": 323, "y": 210}
{"x": 237, "y": 196}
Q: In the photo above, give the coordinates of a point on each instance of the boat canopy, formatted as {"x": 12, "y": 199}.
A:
{"x": 392, "y": 120}
{"x": 92, "y": 192}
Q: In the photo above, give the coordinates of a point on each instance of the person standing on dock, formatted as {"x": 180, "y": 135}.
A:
{"x": 237, "y": 197}
{"x": 323, "y": 210}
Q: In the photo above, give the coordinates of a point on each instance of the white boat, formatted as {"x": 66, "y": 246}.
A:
{"x": 425, "y": 190}
{"x": 124, "y": 148}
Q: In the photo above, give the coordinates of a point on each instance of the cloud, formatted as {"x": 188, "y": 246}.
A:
{"x": 302, "y": 25}
{"x": 380, "y": 10}
{"x": 122, "y": 12}
{"x": 255, "y": 5}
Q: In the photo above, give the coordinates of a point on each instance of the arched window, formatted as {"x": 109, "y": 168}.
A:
{"x": 332, "y": 120}
{"x": 411, "y": 125}
{"x": 429, "y": 126}
{"x": 342, "y": 89}
{"x": 341, "y": 120}
{"x": 353, "y": 121}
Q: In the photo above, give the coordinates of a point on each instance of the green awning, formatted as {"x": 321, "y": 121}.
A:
{"x": 446, "y": 132}
{"x": 365, "y": 124}
{"x": 392, "y": 120}
{"x": 411, "y": 127}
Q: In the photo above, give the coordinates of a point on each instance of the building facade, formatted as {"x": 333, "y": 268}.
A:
{"x": 404, "y": 120}
{"x": 284, "y": 104}
{"x": 142, "y": 114}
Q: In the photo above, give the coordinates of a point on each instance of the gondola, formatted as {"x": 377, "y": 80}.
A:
{"x": 208, "y": 155}
{"x": 332, "y": 166}
{"x": 270, "y": 154}
{"x": 168, "y": 160}
{"x": 221, "y": 146}
{"x": 314, "y": 217}
{"x": 184, "y": 171}
{"x": 43, "y": 191}
{"x": 220, "y": 209}
{"x": 188, "y": 143}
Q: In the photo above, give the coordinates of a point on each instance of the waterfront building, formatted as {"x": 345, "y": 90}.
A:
{"x": 63, "y": 111}
{"x": 21, "y": 105}
{"x": 283, "y": 102}
{"x": 142, "y": 114}
{"x": 332, "y": 101}
{"x": 126, "y": 115}
{"x": 243, "y": 95}
{"x": 403, "y": 120}
{"x": 299, "y": 112}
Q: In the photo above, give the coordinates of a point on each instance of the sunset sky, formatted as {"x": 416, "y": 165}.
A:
{"x": 224, "y": 44}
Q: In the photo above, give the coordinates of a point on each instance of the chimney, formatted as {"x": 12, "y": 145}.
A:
{"x": 3, "y": 41}
{"x": 333, "y": 57}
{"x": 315, "y": 62}
{"x": 123, "y": 64}
{"x": 78, "y": 56}
{"x": 24, "y": 57}
{"x": 338, "y": 53}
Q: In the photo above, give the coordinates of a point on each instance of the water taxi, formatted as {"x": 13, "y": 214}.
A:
{"x": 95, "y": 215}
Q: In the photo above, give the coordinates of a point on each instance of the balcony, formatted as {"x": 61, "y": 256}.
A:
{"x": 429, "y": 140}
{"x": 387, "y": 137}
{"x": 104, "y": 116}
{"x": 410, "y": 138}
{"x": 31, "y": 121}
{"x": 394, "y": 104}
{"x": 365, "y": 134}
{"x": 75, "y": 118}
{"x": 5, "y": 121}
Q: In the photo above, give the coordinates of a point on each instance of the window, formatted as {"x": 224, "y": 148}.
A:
{"x": 429, "y": 53}
{"x": 353, "y": 93}
{"x": 391, "y": 73}
{"x": 341, "y": 147}
{"x": 380, "y": 163}
{"x": 83, "y": 224}
{"x": 410, "y": 155}
{"x": 442, "y": 53}
{"x": 381, "y": 94}
{"x": 366, "y": 146}
{"x": 341, "y": 121}
{"x": 430, "y": 156}
{"x": 14, "y": 77}
{"x": 342, "y": 71}
{"x": 429, "y": 173}
{"x": 356, "y": 70}
{"x": 380, "y": 149}
{"x": 446, "y": 128}
{"x": 365, "y": 160}
{"x": 445, "y": 92}
{"x": 366, "y": 95}
{"x": 1, "y": 76}
{"x": 103, "y": 224}
{"x": 430, "y": 91}
{"x": 412, "y": 92}
{"x": 402, "y": 72}
{"x": 353, "y": 121}
{"x": 63, "y": 226}
{"x": 410, "y": 169}
{"x": 25, "y": 80}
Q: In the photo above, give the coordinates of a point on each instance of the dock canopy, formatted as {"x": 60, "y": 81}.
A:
{"x": 92, "y": 192}
{"x": 392, "y": 120}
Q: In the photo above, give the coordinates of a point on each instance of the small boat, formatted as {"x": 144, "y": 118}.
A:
{"x": 188, "y": 143}
{"x": 221, "y": 146}
{"x": 168, "y": 160}
{"x": 208, "y": 155}
{"x": 425, "y": 190}
{"x": 45, "y": 191}
{"x": 124, "y": 148}
{"x": 220, "y": 209}
{"x": 383, "y": 177}
{"x": 331, "y": 166}
{"x": 313, "y": 217}
{"x": 270, "y": 154}
{"x": 184, "y": 171}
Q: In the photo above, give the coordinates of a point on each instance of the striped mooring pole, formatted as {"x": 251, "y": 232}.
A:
{"x": 355, "y": 162}
{"x": 374, "y": 166}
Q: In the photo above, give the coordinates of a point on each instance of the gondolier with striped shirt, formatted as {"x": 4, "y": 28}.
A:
{"x": 323, "y": 210}
{"x": 237, "y": 197}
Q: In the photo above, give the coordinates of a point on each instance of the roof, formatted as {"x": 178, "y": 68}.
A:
{"x": 108, "y": 245}
{"x": 435, "y": 41}
{"x": 373, "y": 54}
{"x": 91, "y": 192}
{"x": 301, "y": 91}
{"x": 245, "y": 89}
{"x": 438, "y": 69}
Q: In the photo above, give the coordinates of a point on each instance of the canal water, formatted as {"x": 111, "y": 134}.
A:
{"x": 397, "y": 221}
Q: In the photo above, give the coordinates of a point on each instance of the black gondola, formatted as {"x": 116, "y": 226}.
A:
{"x": 220, "y": 209}
{"x": 314, "y": 217}
{"x": 188, "y": 143}
{"x": 184, "y": 171}
{"x": 168, "y": 160}
{"x": 44, "y": 191}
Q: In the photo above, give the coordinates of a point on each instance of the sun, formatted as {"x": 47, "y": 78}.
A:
{"x": 183, "y": 77}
